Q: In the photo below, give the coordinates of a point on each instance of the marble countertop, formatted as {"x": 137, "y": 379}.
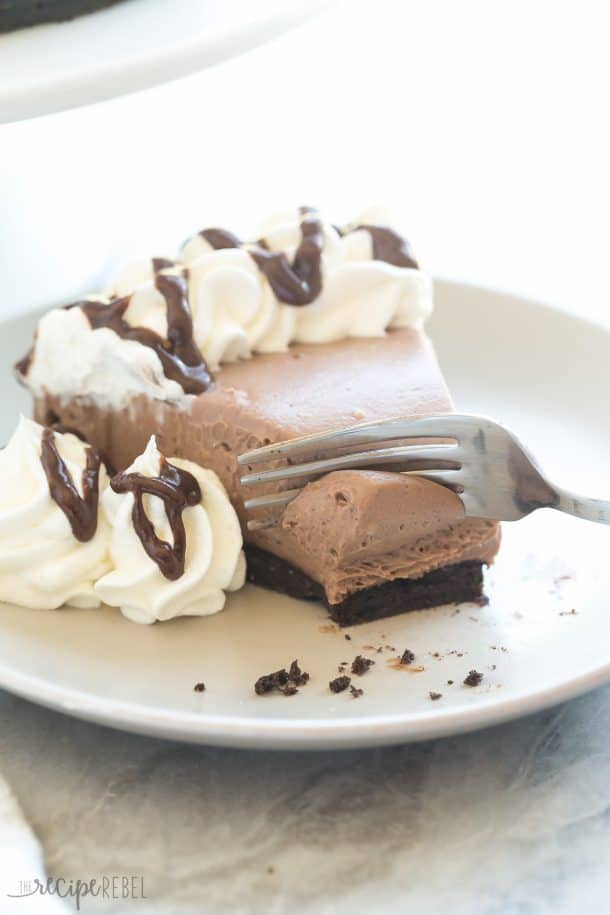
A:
{"x": 494, "y": 148}
{"x": 514, "y": 819}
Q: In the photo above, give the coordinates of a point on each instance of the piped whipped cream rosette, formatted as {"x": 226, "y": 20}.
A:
{"x": 313, "y": 283}
{"x": 164, "y": 324}
{"x": 54, "y": 540}
{"x": 176, "y": 543}
{"x": 116, "y": 348}
{"x": 159, "y": 540}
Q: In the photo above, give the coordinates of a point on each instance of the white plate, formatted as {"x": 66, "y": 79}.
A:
{"x": 544, "y": 373}
{"x": 134, "y": 45}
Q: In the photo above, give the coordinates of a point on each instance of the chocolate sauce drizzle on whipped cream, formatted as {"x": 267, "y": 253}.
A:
{"x": 22, "y": 367}
{"x": 178, "y": 354}
{"x": 163, "y": 263}
{"x": 389, "y": 246}
{"x": 300, "y": 282}
{"x": 81, "y": 511}
{"x": 296, "y": 283}
{"x": 177, "y": 489}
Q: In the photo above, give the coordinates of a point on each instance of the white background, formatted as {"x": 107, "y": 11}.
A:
{"x": 484, "y": 127}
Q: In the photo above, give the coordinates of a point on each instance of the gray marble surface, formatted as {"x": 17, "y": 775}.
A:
{"x": 515, "y": 819}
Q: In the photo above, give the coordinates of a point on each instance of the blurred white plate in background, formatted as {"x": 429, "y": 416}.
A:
{"x": 546, "y": 375}
{"x": 131, "y": 46}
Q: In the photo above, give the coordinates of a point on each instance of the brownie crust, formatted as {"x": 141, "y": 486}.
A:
{"x": 450, "y": 584}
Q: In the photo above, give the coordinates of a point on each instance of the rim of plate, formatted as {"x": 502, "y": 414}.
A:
{"x": 296, "y": 733}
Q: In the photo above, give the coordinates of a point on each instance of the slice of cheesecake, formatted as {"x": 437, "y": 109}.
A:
{"x": 367, "y": 543}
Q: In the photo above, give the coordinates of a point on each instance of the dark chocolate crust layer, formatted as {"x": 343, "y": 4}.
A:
{"x": 19, "y": 14}
{"x": 449, "y": 585}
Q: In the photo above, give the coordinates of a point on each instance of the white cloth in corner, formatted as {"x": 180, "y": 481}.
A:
{"x": 21, "y": 863}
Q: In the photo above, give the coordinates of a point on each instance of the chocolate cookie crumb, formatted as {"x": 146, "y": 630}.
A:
{"x": 284, "y": 681}
{"x": 265, "y": 684}
{"x": 356, "y": 693}
{"x": 348, "y": 637}
{"x": 299, "y": 677}
{"x": 339, "y": 684}
{"x": 474, "y": 678}
{"x": 360, "y": 665}
{"x": 199, "y": 687}
{"x": 435, "y": 696}
{"x": 407, "y": 657}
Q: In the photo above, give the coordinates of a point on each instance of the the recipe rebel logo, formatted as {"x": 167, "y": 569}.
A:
{"x": 107, "y": 886}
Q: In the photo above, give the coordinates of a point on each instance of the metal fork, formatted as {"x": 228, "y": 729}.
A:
{"x": 483, "y": 462}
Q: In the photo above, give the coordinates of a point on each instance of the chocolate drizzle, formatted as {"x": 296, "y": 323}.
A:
{"x": 389, "y": 246}
{"x": 220, "y": 238}
{"x": 23, "y": 366}
{"x": 163, "y": 263}
{"x": 177, "y": 489}
{"x": 63, "y": 429}
{"x": 178, "y": 354}
{"x": 300, "y": 282}
{"x": 81, "y": 511}
{"x": 296, "y": 283}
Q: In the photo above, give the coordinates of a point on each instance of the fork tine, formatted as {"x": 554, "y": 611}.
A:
{"x": 262, "y": 525}
{"x": 439, "y": 425}
{"x": 374, "y": 458}
{"x": 276, "y": 498}
{"x": 449, "y": 478}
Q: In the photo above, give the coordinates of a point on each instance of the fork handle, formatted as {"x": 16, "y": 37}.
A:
{"x": 590, "y": 509}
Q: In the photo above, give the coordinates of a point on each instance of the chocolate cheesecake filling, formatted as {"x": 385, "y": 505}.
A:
{"x": 81, "y": 511}
{"x": 177, "y": 489}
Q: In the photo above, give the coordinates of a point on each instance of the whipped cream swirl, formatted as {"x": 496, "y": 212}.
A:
{"x": 302, "y": 281}
{"x": 361, "y": 295}
{"x": 214, "y": 559}
{"x": 72, "y": 359}
{"x": 42, "y": 564}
